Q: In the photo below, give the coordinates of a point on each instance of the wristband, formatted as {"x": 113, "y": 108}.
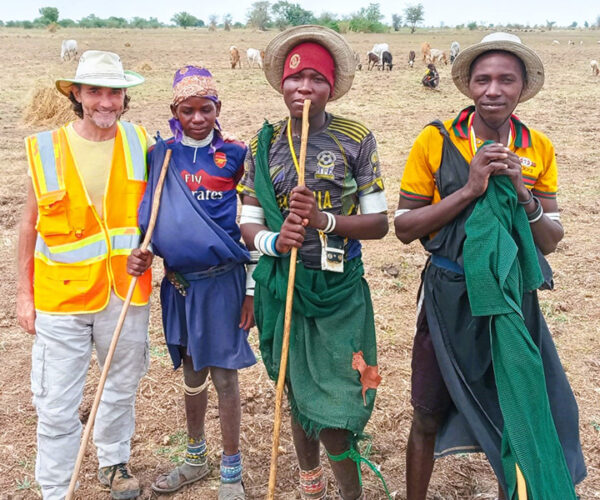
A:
{"x": 537, "y": 214}
{"x": 264, "y": 242}
{"x": 330, "y": 223}
{"x": 250, "y": 283}
{"x": 529, "y": 200}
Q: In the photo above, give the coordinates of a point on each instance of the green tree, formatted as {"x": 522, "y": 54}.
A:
{"x": 368, "y": 20}
{"x": 91, "y": 21}
{"x": 586, "y": 25}
{"x": 573, "y": 25}
{"x": 116, "y": 22}
{"x": 396, "y": 22}
{"x": 49, "y": 15}
{"x": 259, "y": 15}
{"x": 67, "y": 23}
{"x": 330, "y": 20}
{"x": 414, "y": 14}
{"x": 550, "y": 24}
{"x": 185, "y": 19}
{"x": 291, "y": 14}
{"x": 472, "y": 26}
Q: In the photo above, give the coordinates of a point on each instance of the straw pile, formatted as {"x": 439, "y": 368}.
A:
{"x": 47, "y": 107}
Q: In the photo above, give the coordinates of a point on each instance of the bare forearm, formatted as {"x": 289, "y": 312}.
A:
{"x": 359, "y": 227}
{"x": 423, "y": 220}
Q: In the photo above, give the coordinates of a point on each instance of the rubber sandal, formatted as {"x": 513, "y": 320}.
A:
{"x": 179, "y": 477}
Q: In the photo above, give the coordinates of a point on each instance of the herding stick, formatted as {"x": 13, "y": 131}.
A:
{"x": 115, "y": 338}
{"x": 289, "y": 299}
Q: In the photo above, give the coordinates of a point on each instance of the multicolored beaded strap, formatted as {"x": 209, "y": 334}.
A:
{"x": 196, "y": 452}
{"x": 231, "y": 468}
{"x": 312, "y": 484}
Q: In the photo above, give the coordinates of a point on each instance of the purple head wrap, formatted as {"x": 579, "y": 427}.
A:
{"x": 191, "y": 81}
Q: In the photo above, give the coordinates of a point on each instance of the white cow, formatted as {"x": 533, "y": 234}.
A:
{"x": 255, "y": 56}
{"x": 379, "y": 48}
{"x": 454, "y": 50}
{"x": 68, "y": 50}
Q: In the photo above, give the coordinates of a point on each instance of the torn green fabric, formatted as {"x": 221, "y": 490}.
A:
{"x": 500, "y": 262}
{"x": 332, "y": 318}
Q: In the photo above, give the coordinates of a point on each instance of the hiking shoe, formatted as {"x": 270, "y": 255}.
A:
{"x": 122, "y": 484}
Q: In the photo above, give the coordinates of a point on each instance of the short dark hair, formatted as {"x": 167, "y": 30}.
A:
{"x": 521, "y": 63}
{"x": 78, "y": 108}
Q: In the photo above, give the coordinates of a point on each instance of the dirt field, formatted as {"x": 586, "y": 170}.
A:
{"x": 396, "y": 107}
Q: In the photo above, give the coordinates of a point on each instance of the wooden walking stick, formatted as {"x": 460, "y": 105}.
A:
{"x": 115, "y": 338}
{"x": 289, "y": 299}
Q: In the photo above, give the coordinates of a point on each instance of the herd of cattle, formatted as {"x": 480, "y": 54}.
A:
{"x": 378, "y": 57}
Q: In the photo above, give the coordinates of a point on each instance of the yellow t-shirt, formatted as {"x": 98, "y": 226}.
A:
{"x": 93, "y": 160}
{"x": 535, "y": 150}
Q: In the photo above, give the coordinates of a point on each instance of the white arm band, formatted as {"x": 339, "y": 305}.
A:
{"x": 401, "y": 211}
{"x": 264, "y": 242}
{"x": 373, "y": 203}
{"x": 553, "y": 216}
{"x": 250, "y": 267}
{"x": 252, "y": 215}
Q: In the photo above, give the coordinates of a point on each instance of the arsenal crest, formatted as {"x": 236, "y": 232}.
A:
{"x": 220, "y": 159}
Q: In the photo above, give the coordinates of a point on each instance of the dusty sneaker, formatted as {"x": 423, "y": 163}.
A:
{"x": 122, "y": 484}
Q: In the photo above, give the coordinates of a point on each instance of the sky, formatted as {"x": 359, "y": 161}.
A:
{"x": 437, "y": 12}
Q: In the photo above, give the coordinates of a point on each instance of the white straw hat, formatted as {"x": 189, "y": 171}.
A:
{"x": 100, "y": 69}
{"x": 343, "y": 56}
{"x": 507, "y": 42}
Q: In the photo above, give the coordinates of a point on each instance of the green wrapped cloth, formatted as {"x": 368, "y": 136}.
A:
{"x": 332, "y": 319}
{"x": 500, "y": 262}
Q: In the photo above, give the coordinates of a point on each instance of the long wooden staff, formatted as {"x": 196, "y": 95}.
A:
{"x": 115, "y": 338}
{"x": 289, "y": 299}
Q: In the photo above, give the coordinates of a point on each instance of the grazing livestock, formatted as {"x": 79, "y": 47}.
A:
{"x": 436, "y": 55}
{"x": 357, "y": 61}
{"x": 386, "y": 59}
{"x": 411, "y": 58}
{"x": 425, "y": 50}
{"x": 571, "y": 42}
{"x": 595, "y": 68}
{"x": 372, "y": 60}
{"x": 234, "y": 57}
{"x": 380, "y": 48}
{"x": 255, "y": 56}
{"x": 454, "y": 50}
{"x": 555, "y": 42}
{"x": 68, "y": 50}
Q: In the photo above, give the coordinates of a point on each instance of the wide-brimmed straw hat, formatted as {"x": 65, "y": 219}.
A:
{"x": 343, "y": 56}
{"x": 100, "y": 69}
{"x": 507, "y": 42}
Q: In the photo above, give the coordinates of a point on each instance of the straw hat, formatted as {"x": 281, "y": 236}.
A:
{"x": 100, "y": 69}
{"x": 508, "y": 43}
{"x": 343, "y": 56}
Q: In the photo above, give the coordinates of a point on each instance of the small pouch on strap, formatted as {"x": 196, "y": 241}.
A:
{"x": 52, "y": 208}
{"x": 178, "y": 281}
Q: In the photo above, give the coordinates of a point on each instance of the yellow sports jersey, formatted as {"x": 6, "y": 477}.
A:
{"x": 536, "y": 152}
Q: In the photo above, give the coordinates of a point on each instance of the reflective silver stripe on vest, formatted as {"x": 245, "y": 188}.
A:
{"x": 48, "y": 159}
{"x": 138, "y": 156}
{"x": 124, "y": 241}
{"x": 74, "y": 256}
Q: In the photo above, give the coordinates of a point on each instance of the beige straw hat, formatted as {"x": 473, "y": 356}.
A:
{"x": 100, "y": 69}
{"x": 343, "y": 56}
{"x": 500, "y": 41}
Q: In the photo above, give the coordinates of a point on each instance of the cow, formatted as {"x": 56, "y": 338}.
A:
{"x": 372, "y": 60}
{"x": 595, "y": 67}
{"x": 436, "y": 55}
{"x": 386, "y": 59}
{"x": 255, "y": 56}
{"x": 234, "y": 57}
{"x": 68, "y": 50}
{"x": 379, "y": 48}
{"x": 425, "y": 51}
{"x": 411, "y": 58}
{"x": 454, "y": 50}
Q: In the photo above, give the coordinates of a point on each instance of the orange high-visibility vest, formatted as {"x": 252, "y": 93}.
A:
{"x": 79, "y": 257}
